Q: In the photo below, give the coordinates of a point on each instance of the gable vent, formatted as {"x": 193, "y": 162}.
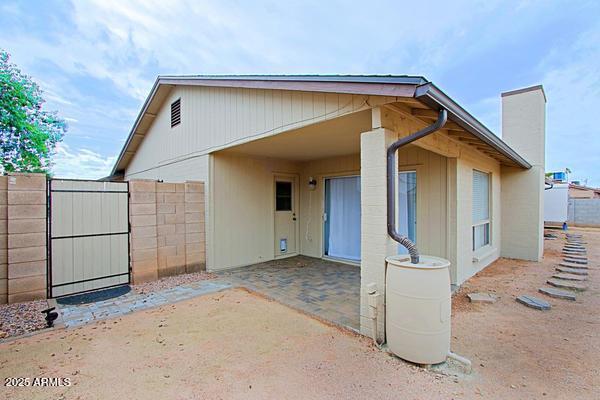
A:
{"x": 175, "y": 113}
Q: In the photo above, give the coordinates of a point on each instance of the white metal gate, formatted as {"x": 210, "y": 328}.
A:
{"x": 88, "y": 242}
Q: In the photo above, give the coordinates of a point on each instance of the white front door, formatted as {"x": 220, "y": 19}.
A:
{"x": 286, "y": 224}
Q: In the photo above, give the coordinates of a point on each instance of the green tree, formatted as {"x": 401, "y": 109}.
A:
{"x": 28, "y": 134}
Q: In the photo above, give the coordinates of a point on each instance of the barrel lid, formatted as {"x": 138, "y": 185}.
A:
{"x": 425, "y": 262}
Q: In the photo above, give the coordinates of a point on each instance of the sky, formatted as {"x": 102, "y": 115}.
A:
{"x": 97, "y": 60}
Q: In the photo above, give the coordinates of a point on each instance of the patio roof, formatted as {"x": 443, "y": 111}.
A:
{"x": 405, "y": 86}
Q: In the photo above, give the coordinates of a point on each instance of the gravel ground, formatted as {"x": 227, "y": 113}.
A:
{"x": 20, "y": 318}
{"x": 172, "y": 281}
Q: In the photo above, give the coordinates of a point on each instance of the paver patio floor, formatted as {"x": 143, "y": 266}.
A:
{"x": 326, "y": 289}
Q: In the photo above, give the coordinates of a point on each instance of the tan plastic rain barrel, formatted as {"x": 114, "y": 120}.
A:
{"x": 418, "y": 308}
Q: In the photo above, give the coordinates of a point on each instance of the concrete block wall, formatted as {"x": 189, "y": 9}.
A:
{"x": 167, "y": 228}
{"x": 170, "y": 221}
{"x": 3, "y": 239}
{"x": 26, "y": 228}
{"x": 142, "y": 217}
{"x": 584, "y": 212}
{"x": 195, "y": 227}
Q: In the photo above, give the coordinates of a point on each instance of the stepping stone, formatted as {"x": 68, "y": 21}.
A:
{"x": 566, "y": 284}
{"x": 482, "y": 298}
{"x": 556, "y": 293}
{"x": 580, "y": 259}
{"x": 534, "y": 302}
{"x": 574, "y": 271}
{"x": 570, "y": 277}
{"x": 570, "y": 264}
{"x": 574, "y": 253}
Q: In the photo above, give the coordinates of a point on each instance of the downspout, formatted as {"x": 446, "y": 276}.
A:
{"x": 391, "y": 183}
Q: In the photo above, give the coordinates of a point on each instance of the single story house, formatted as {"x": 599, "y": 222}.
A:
{"x": 296, "y": 165}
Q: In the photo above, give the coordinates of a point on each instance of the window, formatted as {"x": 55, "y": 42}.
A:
{"x": 175, "y": 113}
{"x": 407, "y": 207}
{"x": 481, "y": 209}
{"x": 283, "y": 196}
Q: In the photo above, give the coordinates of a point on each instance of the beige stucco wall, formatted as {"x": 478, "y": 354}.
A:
{"x": 431, "y": 197}
{"x": 246, "y": 182}
{"x": 241, "y": 203}
{"x": 468, "y": 262}
{"x": 312, "y": 202}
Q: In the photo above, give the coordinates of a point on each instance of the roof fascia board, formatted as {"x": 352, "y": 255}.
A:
{"x": 430, "y": 95}
{"x": 361, "y": 88}
{"x": 387, "y": 79}
{"x": 135, "y": 126}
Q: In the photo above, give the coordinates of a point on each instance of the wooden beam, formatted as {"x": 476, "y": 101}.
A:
{"x": 422, "y": 113}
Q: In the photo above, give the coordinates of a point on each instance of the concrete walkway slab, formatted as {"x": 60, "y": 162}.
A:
{"x": 566, "y": 284}
{"x": 81, "y": 314}
{"x": 575, "y": 271}
{"x": 482, "y": 297}
{"x": 570, "y": 277}
{"x": 534, "y": 302}
{"x": 557, "y": 294}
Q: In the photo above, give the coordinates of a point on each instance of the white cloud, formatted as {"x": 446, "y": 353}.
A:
{"x": 125, "y": 44}
{"x": 80, "y": 163}
{"x": 572, "y": 85}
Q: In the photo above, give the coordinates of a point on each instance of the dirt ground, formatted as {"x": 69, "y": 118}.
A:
{"x": 556, "y": 352}
{"x": 237, "y": 345}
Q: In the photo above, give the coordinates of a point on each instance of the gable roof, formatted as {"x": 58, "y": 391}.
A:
{"x": 380, "y": 85}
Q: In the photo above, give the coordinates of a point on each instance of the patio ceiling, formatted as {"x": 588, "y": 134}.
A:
{"x": 335, "y": 137}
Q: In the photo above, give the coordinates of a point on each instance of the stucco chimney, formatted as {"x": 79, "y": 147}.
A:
{"x": 524, "y": 123}
{"x": 524, "y": 129}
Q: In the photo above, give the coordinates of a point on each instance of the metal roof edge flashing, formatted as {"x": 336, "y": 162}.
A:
{"x": 432, "y": 96}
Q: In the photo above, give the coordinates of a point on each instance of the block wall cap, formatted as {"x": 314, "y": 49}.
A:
{"x": 525, "y": 90}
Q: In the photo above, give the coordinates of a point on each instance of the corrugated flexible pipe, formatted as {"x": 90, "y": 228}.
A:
{"x": 391, "y": 183}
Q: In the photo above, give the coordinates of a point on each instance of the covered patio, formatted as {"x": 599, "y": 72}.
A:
{"x": 300, "y": 216}
{"x": 326, "y": 289}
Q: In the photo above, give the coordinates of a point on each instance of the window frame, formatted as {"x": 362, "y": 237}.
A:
{"x": 290, "y": 195}
{"x": 416, "y": 205}
{"x": 482, "y": 222}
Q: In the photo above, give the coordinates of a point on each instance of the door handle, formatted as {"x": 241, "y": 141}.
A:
{"x": 293, "y": 219}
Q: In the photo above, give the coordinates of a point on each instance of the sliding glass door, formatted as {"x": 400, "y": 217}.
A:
{"x": 342, "y": 218}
